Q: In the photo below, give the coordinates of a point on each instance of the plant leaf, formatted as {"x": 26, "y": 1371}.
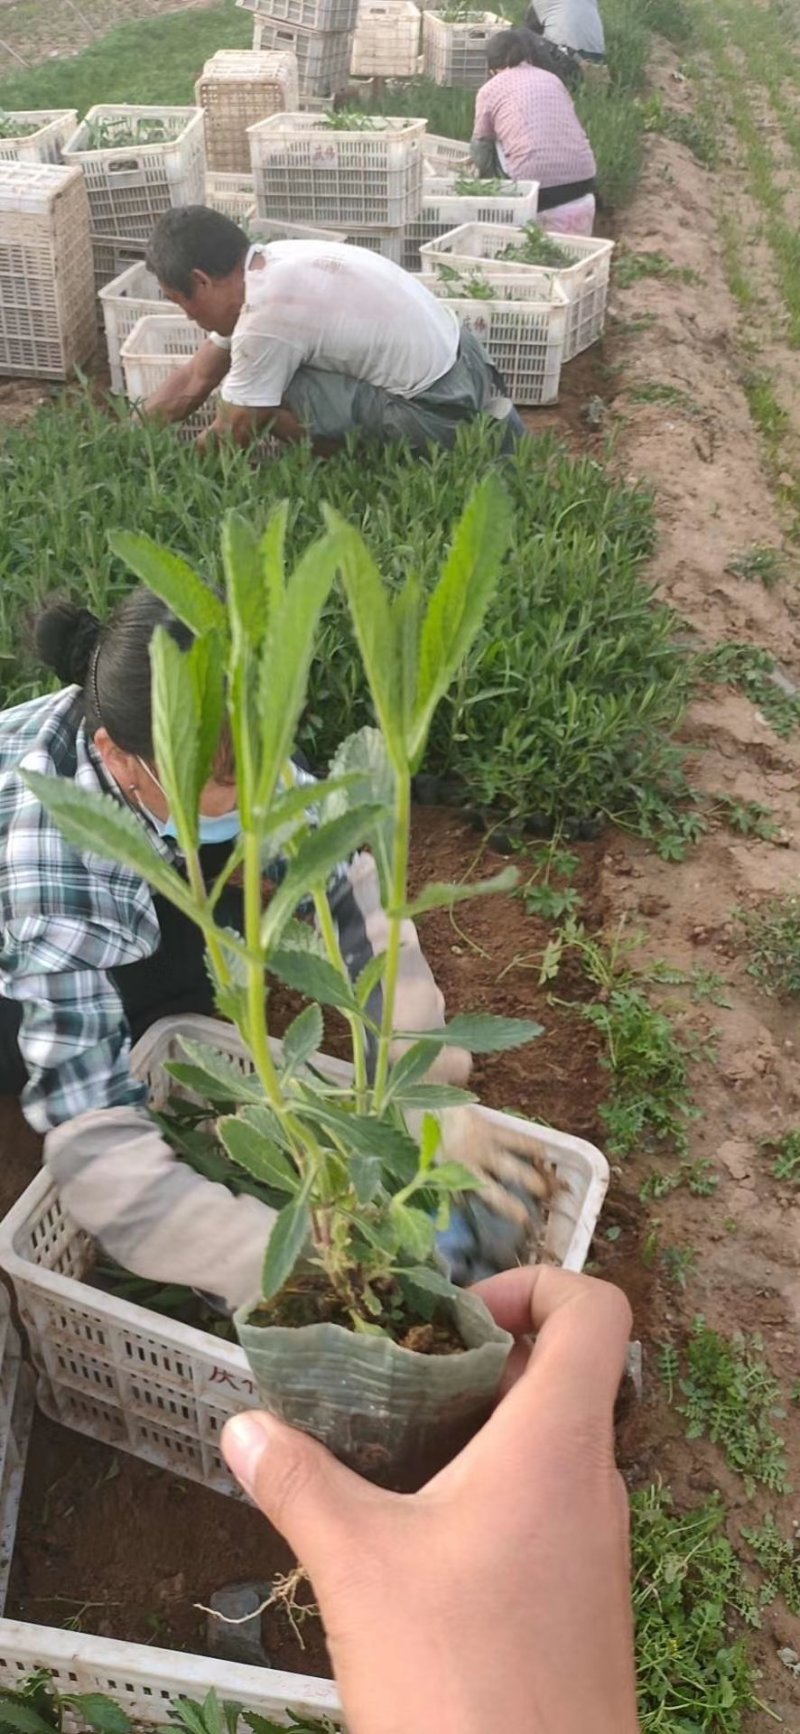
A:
{"x": 303, "y": 1038}
{"x": 272, "y": 550}
{"x": 101, "y": 1712}
{"x": 431, "y": 1281}
{"x": 365, "y": 1173}
{"x": 431, "y": 1097}
{"x": 459, "y": 602}
{"x": 212, "y": 1075}
{"x": 374, "y": 627}
{"x": 481, "y": 1032}
{"x": 98, "y": 825}
{"x": 441, "y": 896}
{"x": 317, "y": 857}
{"x": 415, "y": 1231}
{"x": 255, "y": 1153}
{"x": 413, "y": 1064}
{"x": 286, "y": 660}
{"x": 185, "y": 593}
{"x": 312, "y": 976}
{"x": 364, "y": 755}
{"x": 176, "y": 729}
{"x": 242, "y": 564}
{"x": 22, "y": 1719}
{"x": 366, "y": 1135}
{"x": 286, "y": 1243}
{"x": 454, "y": 1177}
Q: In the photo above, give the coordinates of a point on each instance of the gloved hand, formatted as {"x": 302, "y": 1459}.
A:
{"x": 498, "y": 1227}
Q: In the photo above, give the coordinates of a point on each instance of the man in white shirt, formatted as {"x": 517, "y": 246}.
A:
{"x": 316, "y": 338}
{"x": 575, "y": 24}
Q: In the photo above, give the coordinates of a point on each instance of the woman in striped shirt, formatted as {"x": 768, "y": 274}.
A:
{"x": 525, "y": 122}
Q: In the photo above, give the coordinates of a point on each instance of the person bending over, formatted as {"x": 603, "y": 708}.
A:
{"x": 525, "y": 124}
{"x": 316, "y": 338}
{"x": 575, "y": 24}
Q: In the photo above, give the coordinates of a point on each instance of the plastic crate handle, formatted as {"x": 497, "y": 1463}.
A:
{"x": 127, "y": 172}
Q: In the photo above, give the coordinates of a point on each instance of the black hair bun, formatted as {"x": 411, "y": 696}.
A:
{"x": 65, "y": 637}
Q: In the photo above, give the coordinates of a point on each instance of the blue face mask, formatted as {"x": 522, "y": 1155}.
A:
{"x": 223, "y": 829}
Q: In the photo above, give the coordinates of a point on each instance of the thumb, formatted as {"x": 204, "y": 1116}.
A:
{"x": 313, "y": 1500}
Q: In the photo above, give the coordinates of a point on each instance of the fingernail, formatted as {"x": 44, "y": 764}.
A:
{"x": 244, "y": 1440}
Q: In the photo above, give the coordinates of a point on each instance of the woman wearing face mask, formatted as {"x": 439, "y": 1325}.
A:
{"x": 90, "y": 957}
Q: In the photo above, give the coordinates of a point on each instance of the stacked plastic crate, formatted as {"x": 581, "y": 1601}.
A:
{"x": 138, "y": 163}
{"x": 387, "y": 40}
{"x": 36, "y": 135}
{"x": 449, "y": 201}
{"x": 365, "y": 179}
{"x": 47, "y": 307}
{"x": 319, "y": 32}
{"x": 236, "y": 89}
{"x": 481, "y": 249}
{"x": 454, "y": 48}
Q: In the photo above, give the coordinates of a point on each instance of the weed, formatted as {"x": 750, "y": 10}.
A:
{"x": 550, "y": 902}
{"x": 754, "y": 671}
{"x": 658, "y": 391}
{"x": 760, "y": 562}
{"x": 740, "y": 285}
{"x": 779, "y": 1559}
{"x": 772, "y": 935}
{"x": 686, "y": 1582}
{"x": 748, "y": 818}
{"x": 729, "y": 1395}
{"x": 631, "y": 267}
{"x": 678, "y": 1263}
{"x": 700, "y": 1178}
{"x": 698, "y": 132}
{"x": 787, "y": 1156}
{"x": 770, "y": 417}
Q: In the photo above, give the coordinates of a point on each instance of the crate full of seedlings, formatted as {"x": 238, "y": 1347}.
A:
{"x": 158, "y": 344}
{"x": 129, "y": 298}
{"x": 330, "y": 16}
{"x": 235, "y": 89}
{"x": 35, "y": 135}
{"x": 353, "y": 171}
{"x": 145, "y": 1382}
{"x": 579, "y": 264}
{"x": 48, "y": 321}
{"x": 522, "y": 327}
{"x": 138, "y": 163}
{"x": 233, "y": 195}
{"x": 323, "y": 56}
{"x": 454, "y": 45}
{"x": 387, "y": 38}
{"x": 466, "y": 200}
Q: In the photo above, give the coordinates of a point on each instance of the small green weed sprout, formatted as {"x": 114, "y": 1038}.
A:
{"x": 660, "y": 391}
{"x": 678, "y": 1263}
{"x": 772, "y": 937}
{"x": 696, "y": 131}
{"x": 786, "y": 1150}
{"x": 754, "y": 671}
{"x": 760, "y": 563}
{"x": 631, "y": 267}
{"x": 779, "y": 1559}
{"x": 729, "y": 1396}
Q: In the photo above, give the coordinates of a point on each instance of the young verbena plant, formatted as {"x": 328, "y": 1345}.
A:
{"x": 359, "y": 1196}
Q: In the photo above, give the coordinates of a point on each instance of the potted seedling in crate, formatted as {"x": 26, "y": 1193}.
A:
{"x": 358, "y": 1336}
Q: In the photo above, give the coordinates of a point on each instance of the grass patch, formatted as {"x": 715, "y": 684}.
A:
{"x": 149, "y": 60}
{"x": 786, "y": 1151}
{"x": 698, "y": 132}
{"x": 754, "y": 672}
{"x": 761, "y": 564}
{"x": 687, "y": 1581}
{"x": 779, "y": 1559}
{"x": 632, "y": 267}
{"x": 614, "y": 124}
{"x": 740, "y": 285}
{"x": 729, "y": 1395}
{"x": 659, "y": 391}
{"x": 576, "y": 683}
{"x": 772, "y": 937}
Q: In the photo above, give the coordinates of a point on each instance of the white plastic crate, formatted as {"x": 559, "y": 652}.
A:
{"x": 48, "y": 321}
{"x": 387, "y": 38}
{"x": 440, "y": 202}
{"x": 390, "y": 243}
{"x": 16, "y": 1414}
{"x": 264, "y": 230}
{"x": 163, "y": 1390}
{"x": 130, "y": 187}
{"x": 446, "y": 156}
{"x": 237, "y": 88}
{"x": 144, "y": 1680}
{"x": 309, "y": 172}
{"x": 584, "y": 277}
{"x": 524, "y": 339}
{"x": 325, "y": 15}
{"x": 455, "y": 53}
{"x": 323, "y": 57}
{"x": 158, "y": 344}
{"x": 124, "y": 302}
{"x": 233, "y": 195}
{"x": 53, "y": 127}
{"x": 111, "y": 258}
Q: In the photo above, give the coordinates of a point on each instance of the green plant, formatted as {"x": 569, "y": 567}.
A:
{"x": 646, "y": 1053}
{"x": 760, "y": 562}
{"x": 754, "y": 671}
{"x": 214, "y": 1715}
{"x": 535, "y": 247}
{"x": 678, "y": 1263}
{"x": 658, "y": 391}
{"x": 37, "y": 1706}
{"x": 786, "y": 1150}
{"x": 613, "y": 121}
{"x": 354, "y": 1186}
{"x": 698, "y": 132}
{"x": 772, "y": 936}
{"x": 749, "y": 818}
{"x": 12, "y": 127}
{"x": 687, "y": 1582}
{"x": 729, "y": 1396}
{"x": 631, "y": 267}
{"x": 102, "y": 135}
{"x": 699, "y": 1178}
{"x": 779, "y": 1559}
{"x": 150, "y": 60}
{"x": 670, "y": 18}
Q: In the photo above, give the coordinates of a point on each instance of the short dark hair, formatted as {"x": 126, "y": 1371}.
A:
{"x": 193, "y": 238}
{"x": 509, "y": 48}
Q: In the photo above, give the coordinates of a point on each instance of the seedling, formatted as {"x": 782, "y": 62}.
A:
{"x": 535, "y": 247}
{"x": 761, "y": 563}
{"x": 772, "y": 937}
{"x": 11, "y": 126}
{"x": 748, "y": 818}
{"x": 754, "y": 671}
{"x": 109, "y": 134}
{"x": 786, "y": 1150}
{"x": 679, "y": 1263}
{"x": 729, "y": 1396}
{"x": 657, "y": 391}
{"x": 779, "y": 1559}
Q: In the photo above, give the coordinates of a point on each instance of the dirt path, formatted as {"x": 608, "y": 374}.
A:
{"x": 696, "y": 443}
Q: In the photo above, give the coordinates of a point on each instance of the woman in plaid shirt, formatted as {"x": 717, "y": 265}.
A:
{"x": 90, "y": 957}
{"x": 526, "y": 126}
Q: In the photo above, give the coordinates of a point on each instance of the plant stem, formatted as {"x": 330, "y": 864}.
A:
{"x": 256, "y": 984}
{"x": 215, "y": 949}
{"x": 327, "y": 927}
{"x": 402, "y": 820}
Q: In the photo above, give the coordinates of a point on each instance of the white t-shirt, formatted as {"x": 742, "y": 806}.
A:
{"x": 339, "y": 308}
{"x": 572, "y": 24}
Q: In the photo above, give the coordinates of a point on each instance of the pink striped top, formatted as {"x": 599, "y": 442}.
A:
{"x": 532, "y": 119}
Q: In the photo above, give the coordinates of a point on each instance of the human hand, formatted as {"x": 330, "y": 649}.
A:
{"x": 499, "y": 1595}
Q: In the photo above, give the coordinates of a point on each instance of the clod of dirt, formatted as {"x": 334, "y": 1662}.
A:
{"x": 241, "y": 1602}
